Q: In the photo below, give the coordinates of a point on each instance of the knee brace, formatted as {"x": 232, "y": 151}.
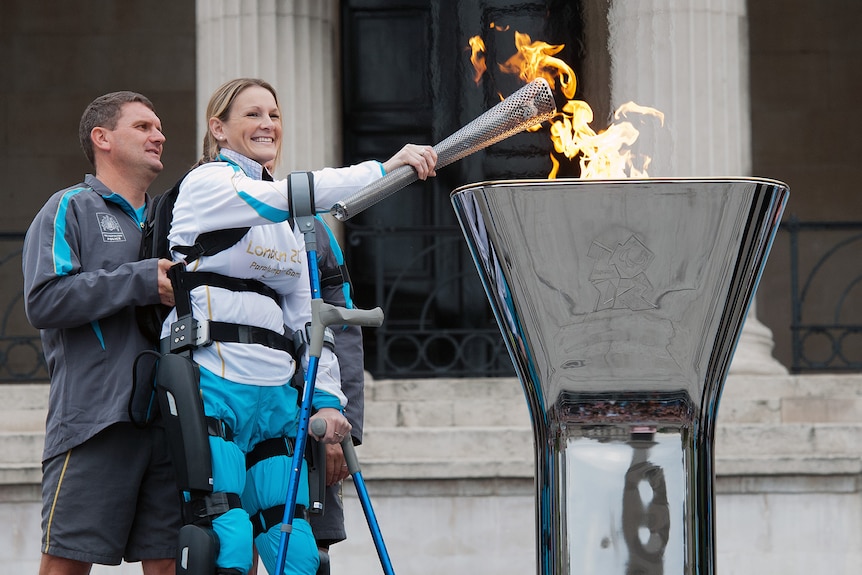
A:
{"x": 198, "y": 549}
{"x": 198, "y": 542}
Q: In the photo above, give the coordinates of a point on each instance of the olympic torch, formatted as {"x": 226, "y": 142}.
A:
{"x": 527, "y": 107}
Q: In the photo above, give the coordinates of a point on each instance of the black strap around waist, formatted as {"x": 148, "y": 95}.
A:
{"x": 238, "y": 333}
{"x": 262, "y": 521}
{"x": 269, "y": 448}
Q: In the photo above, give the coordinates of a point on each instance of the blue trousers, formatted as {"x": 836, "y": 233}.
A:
{"x": 256, "y": 413}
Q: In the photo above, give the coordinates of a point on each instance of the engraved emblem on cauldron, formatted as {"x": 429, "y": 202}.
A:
{"x": 619, "y": 276}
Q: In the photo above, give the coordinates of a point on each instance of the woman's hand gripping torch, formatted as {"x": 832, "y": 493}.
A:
{"x": 530, "y": 105}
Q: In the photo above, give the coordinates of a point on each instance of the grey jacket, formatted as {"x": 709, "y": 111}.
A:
{"x": 348, "y": 338}
{"x": 82, "y": 281}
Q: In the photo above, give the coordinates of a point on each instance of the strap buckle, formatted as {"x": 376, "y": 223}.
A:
{"x": 187, "y": 333}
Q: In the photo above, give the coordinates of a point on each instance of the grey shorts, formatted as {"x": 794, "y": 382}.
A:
{"x": 328, "y": 527}
{"x": 112, "y": 498}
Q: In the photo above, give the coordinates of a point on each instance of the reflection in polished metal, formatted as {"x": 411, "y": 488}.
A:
{"x": 621, "y": 303}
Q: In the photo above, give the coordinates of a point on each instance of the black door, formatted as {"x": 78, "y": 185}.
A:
{"x": 407, "y": 77}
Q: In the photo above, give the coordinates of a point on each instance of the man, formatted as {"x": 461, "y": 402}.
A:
{"x": 108, "y": 488}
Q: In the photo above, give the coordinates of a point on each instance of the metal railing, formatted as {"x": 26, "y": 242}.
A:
{"x": 21, "y": 358}
{"x": 826, "y": 295}
{"x": 438, "y": 321}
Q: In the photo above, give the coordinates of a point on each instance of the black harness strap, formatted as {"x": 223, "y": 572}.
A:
{"x": 209, "y": 243}
{"x": 190, "y": 280}
{"x": 269, "y": 448}
{"x": 263, "y": 520}
{"x": 334, "y": 276}
{"x": 238, "y": 333}
{"x": 182, "y": 297}
{"x": 202, "y": 510}
{"x": 218, "y": 428}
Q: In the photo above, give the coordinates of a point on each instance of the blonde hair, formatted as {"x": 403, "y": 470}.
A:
{"x": 219, "y": 107}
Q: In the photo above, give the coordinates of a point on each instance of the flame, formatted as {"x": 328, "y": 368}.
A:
{"x": 477, "y": 57}
{"x": 604, "y": 154}
{"x": 535, "y": 60}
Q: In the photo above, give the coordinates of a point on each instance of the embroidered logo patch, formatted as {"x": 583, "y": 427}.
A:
{"x": 110, "y": 226}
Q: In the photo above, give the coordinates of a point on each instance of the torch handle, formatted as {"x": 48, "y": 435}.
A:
{"x": 398, "y": 178}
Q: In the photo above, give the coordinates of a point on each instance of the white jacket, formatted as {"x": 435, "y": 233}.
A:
{"x": 220, "y": 195}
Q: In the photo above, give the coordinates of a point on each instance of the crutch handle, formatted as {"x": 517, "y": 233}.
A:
{"x": 350, "y": 455}
{"x": 318, "y": 427}
{"x": 324, "y": 314}
{"x": 333, "y": 315}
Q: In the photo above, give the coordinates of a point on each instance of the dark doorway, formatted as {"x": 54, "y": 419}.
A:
{"x": 407, "y": 77}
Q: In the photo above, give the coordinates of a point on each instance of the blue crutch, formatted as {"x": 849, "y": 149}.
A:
{"x": 301, "y": 197}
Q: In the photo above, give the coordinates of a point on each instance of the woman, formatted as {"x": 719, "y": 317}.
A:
{"x": 247, "y": 386}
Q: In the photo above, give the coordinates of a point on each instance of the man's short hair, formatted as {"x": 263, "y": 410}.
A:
{"x": 103, "y": 112}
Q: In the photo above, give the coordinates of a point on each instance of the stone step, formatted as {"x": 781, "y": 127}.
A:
{"x": 780, "y": 410}
{"x": 447, "y": 412}
{"x": 21, "y": 447}
{"x": 760, "y": 387}
{"x": 443, "y": 388}
{"x": 23, "y": 396}
{"x": 447, "y": 443}
{"x": 495, "y": 443}
{"x": 797, "y": 439}
{"x": 785, "y": 465}
{"x": 23, "y": 407}
{"x": 752, "y": 399}
{"x": 447, "y": 452}
{"x": 740, "y": 449}
{"x": 23, "y": 420}
{"x": 738, "y": 387}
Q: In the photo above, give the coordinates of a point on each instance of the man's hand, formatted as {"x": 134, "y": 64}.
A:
{"x": 336, "y": 468}
{"x": 337, "y": 426}
{"x": 166, "y": 290}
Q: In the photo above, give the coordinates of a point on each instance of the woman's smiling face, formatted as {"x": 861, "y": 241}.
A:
{"x": 253, "y": 127}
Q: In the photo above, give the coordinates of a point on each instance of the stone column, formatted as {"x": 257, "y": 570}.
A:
{"x": 689, "y": 59}
{"x": 292, "y": 44}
